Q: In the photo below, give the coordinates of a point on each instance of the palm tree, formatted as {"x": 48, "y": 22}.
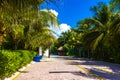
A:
{"x": 103, "y": 25}
{"x": 24, "y": 13}
{"x": 39, "y": 27}
{"x": 99, "y": 23}
{"x": 84, "y": 25}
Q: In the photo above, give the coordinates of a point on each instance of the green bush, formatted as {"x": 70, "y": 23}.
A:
{"x": 11, "y": 61}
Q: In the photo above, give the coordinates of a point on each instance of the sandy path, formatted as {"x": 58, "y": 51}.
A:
{"x": 66, "y": 68}
{"x": 57, "y": 68}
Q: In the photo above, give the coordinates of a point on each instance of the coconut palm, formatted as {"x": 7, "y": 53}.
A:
{"x": 32, "y": 30}
{"x": 36, "y": 32}
{"x": 25, "y": 13}
{"x": 100, "y": 26}
{"x": 103, "y": 25}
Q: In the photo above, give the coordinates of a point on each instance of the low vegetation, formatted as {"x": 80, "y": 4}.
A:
{"x": 12, "y": 61}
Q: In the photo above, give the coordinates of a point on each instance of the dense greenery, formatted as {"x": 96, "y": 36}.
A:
{"x": 24, "y": 26}
{"x": 97, "y": 37}
{"x": 11, "y": 61}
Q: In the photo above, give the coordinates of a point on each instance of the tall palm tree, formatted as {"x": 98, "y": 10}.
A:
{"x": 39, "y": 27}
{"x": 100, "y": 23}
{"x": 24, "y": 13}
{"x": 104, "y": 24}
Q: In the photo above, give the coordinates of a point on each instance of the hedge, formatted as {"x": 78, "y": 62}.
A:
{"x": 12, "y": 61}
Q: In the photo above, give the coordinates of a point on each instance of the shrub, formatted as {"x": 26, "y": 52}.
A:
{"x": 11, "y": 61}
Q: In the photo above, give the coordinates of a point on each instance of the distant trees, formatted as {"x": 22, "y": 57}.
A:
{"x": 70, "y": 41}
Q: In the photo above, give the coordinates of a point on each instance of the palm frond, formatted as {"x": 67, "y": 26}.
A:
{"x": 97, "y": 41}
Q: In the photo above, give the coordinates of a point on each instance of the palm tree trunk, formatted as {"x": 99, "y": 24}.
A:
{"x": 1, "y": 40}
{"x": 15, "y": 44}
{"x": 25, "y": 46}
{"x": 49, "y": 53}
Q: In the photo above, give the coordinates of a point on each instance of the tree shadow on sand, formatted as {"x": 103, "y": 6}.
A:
{"x": 78, "y": 73}
{"x": 85, "y": 62}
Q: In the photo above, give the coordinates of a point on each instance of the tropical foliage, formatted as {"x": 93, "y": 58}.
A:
{"x": 24, "y": 26}
{"x": 96, "y": 37}
{"x": 105, "y": 25}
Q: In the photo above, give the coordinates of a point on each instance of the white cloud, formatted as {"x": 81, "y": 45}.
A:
{"x": 54, "y": 12}
{"x": 62, "y": 28}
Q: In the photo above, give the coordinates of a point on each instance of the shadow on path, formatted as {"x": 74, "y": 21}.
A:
{"x": 90, "y": 65}
{"x": 23, "y": 71}
{"x": 79, "y": 73}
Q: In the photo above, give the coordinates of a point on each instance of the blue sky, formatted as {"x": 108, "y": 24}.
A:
{"x": 71, "y": 11}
